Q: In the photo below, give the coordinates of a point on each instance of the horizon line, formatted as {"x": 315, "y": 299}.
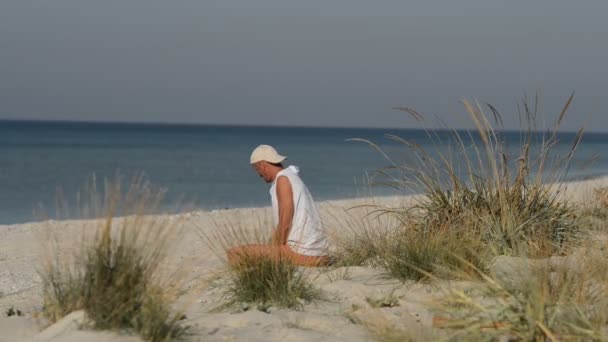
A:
{"x": 198, "y": 124}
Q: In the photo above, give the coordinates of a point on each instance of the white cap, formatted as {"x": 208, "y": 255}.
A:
{"x": 266, "y": 153}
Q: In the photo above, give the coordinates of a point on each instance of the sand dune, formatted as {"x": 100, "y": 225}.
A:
{"x": 346, "y": 301}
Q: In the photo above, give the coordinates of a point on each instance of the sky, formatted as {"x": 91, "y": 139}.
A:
{"x": 311, "y": 63}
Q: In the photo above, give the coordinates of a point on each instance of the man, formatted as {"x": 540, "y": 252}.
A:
{"x": 298, "y": 235}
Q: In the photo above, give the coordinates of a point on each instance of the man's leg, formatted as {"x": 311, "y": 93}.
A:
{"x": 306, "y": 260}
{"x": 236, "y": 254}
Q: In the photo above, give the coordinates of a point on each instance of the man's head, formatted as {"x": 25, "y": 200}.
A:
{"x": 267, "y": 162}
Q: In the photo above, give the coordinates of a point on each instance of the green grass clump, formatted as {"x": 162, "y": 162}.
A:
{"x": 388, "y": 238}
{"x": 263, "y": 279}
{"x": 115, "y": 276}
{"x": 269, "y": 281}
{"x": 413, "y": 255}
{"x": 478, "y": 199}
{"x": 520, "y": 218}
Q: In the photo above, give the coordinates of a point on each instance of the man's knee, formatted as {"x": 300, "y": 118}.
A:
{"x": 239, "y": 252}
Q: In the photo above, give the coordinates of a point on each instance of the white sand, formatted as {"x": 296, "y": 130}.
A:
{"x": 328, "y": 320}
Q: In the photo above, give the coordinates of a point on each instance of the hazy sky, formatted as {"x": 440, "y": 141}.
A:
{"x": 312, "y": 62}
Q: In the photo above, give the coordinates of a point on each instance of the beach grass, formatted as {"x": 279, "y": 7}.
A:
{"x": 594, "y": 211}
{"x": 269, "y": 281}
{"x": 357, "y": 234}
{"x": 564, "y": 300}
{"x": 256, "y": 279}
{"x": 534, "y": 265}
{"x": 116, "y": 274}
{"x": 476, "y": 200}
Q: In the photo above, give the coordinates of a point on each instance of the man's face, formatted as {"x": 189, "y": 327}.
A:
{"x": 262, "y": 169}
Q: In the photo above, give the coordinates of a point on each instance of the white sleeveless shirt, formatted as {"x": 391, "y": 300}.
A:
{"x": 306, "y": 235}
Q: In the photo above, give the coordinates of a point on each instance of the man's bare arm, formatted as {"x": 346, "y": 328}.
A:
{"x": 286, "y": 210}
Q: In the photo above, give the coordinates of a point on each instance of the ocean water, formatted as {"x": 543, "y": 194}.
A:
{"x": 209, "y": 165}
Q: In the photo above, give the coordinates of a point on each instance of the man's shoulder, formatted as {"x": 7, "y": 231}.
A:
{"x": 283, "y": 181}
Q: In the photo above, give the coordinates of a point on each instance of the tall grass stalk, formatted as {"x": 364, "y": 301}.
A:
{"x": 478, "y": 198}
{"x": 116, "y": 274}
{"x": 358, "y": 233}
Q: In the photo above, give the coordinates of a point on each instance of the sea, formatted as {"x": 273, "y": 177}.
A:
{"x": 207, "y": 166}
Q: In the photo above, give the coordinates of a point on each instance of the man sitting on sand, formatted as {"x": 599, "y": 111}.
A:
{"x": 299, "y": 235}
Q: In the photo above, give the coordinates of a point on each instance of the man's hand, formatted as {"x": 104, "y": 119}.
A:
{"x": 286, "y": 211}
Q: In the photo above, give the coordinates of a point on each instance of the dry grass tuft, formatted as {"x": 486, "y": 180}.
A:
{"x": 599, "y": 208}
{"x": 358, "y": 234}
{"x": 542, "y": 302}
{"x": 116, "y": 274}
{"x": 477, "y": 199}
{"x": 593, "y": 212}
{"x": 601, "y": 196}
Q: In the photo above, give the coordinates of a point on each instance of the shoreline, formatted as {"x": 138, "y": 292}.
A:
{"x": 343, "y": 202}
{"x": 354, "y": 201}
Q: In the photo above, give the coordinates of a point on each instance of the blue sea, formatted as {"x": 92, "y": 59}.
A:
{"x": 208, "y": 165}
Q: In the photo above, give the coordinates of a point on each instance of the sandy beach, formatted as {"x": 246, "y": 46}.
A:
{"x": 303, "y": 171}
{"x": 347, "y": 292}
